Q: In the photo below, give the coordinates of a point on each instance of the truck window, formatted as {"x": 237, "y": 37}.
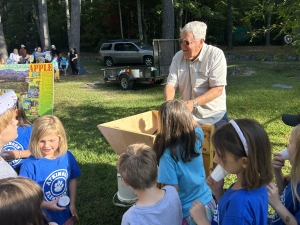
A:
{"x": 106, "y": 46}
{"x": 120, "y": 47}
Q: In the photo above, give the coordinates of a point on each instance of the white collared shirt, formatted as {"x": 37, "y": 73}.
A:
{"x": 194, "y": 78}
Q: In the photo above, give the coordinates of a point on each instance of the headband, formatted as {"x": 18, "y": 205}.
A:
{"x": 241, "y": 136}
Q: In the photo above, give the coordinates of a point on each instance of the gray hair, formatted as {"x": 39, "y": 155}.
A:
{"x": 197, "y": 28}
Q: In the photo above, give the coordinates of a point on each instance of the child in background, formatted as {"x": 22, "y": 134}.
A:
{"x": 53, "y": 167}
{"x": 287, "y": 206}
{"x": 138, "y": 169}
{"x": 55, "y": 67}
{"x": 242, "y": 147}
{"x": 59, "y": 61}
{"x": 20, "y": 202}
{"x": 178, "y": 146}
{"x": 8, "y": 129}
{"x": 17, "y": 150}
{"x": 64, "y": 64}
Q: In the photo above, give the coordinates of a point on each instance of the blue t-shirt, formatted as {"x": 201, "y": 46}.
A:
{"x": 189, "y": 176}
{"x": 167, "y": 211}
{"x": 20, "y": 143}
{"x": 53, "y": 175}
{"x": 64, "y": 61}
{"x": 55, "y": 64}
{"x": 286, "y": 199}
{"x": 241, "y": 207}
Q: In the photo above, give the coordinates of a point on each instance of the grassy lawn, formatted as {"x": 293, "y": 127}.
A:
{"x": 82, "y": 104}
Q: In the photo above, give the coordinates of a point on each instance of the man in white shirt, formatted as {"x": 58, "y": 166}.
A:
{"x": 199, "y": 71}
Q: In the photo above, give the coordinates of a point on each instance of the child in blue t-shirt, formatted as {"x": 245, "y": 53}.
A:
{"x": 53, "y": 167}
{"x": 287, "y": 206}
{"x": 64, "y": 64}
{"x": 242, "y": 147}
{"x": 178, "y": 146}
{"x": 16, "y": 151}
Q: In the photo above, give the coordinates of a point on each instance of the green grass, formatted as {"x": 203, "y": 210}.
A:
{"x": 82, "y": 105}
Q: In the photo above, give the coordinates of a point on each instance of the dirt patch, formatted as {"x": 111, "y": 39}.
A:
{"x": 240, "y": 71}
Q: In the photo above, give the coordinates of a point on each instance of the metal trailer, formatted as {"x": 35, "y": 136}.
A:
{"x": 163, "y": 52}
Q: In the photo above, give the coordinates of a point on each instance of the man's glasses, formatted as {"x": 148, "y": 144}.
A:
{"x": 184, "y": 41}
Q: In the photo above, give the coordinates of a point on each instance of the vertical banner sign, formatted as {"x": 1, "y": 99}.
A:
{"x": 33, "y": 84}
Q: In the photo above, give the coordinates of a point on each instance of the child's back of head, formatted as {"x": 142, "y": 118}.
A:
{"x": 20, "y": 202}
{"x": 246, "y": 138}
{"x": 175, "y": 131}
{"x": 137, "y": 166}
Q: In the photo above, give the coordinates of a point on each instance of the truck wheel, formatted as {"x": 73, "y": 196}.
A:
{"x": 108, "y": 61}
{"x": 159, "y": 81}
{"x": 125, "y": 83}
{"x": 148, "y": 60}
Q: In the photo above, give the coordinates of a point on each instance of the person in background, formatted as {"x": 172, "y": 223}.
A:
{"x": 16, "y": 151}
{"x": 8, "y": 129}
{"x": 64, "y": 64}
{"x": 22, "y": 51}
{"x": 56, "y": 69}
{"x": 73, "y": 56}
{"x": 242, "y": 147}
{"x": 14, "y": 57}
{"x": 20, "y": 202}
{"x": 199, "y": 72}
{"x": 50, "y": 158}
{"x": 154, "y": 206}
{"x": 59, "y": 61}
{"x": 54, "y": 51}
{"x": 178, "y": 146}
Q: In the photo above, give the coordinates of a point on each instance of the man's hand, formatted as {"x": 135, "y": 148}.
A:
{"x": 190, "y": 105}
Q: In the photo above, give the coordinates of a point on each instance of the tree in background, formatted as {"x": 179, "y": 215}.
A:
{"x": 3, "y": 48}
{"x": 167, "y": 19}
{"x": 44, "y": 28}
{"x": 75, "y": 27}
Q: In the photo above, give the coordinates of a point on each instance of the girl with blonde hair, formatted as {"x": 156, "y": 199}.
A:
{"x": 53, "y": 167}
{"x": 287, "y": 206}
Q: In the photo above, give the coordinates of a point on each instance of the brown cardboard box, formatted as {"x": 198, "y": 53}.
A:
{"x": 141, "y": 128}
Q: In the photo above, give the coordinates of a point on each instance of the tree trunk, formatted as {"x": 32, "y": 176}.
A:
{"x": 68, "y": 20}
{"x": 3, "y": 47}
{"x": 144, "y": 24}
{"x": 180, "y": 20}
{"x": 121, "y": 23}
{"x": 140, "y": 25}
{"x": 268, "y": 33}
{"x": 75, "y": 27}
{"x": 229, "y": 24}
{"x": 36, "y": 19}
{"x": 44, "y": 28}
{"x": 167, "y": 19}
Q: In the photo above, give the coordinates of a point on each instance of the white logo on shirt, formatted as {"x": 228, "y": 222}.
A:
{"x": 55, "y": 185}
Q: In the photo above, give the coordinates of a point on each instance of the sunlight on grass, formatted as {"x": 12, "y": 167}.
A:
{"x": 82, "y": 104}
